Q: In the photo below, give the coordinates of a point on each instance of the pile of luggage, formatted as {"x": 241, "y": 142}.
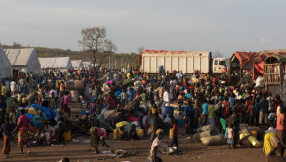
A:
{"x": 209, "y": 136}
{"x": 74, "y": 87}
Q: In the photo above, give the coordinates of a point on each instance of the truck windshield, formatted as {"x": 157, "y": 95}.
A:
{"x": 221, "y": 62}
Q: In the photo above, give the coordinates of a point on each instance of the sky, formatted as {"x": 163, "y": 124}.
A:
{"x": 188, "y": 25}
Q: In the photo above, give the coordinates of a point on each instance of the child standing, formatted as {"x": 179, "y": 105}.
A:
{"x": 230, "y": 140}
{"x": 7, "y": 129}
{"x": 175, "y": 134}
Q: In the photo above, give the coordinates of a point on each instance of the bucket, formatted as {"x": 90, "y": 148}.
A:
{"x": 167, "y": 110}
{"x": 140, "y": 132}
{"x": 67, "y": 136}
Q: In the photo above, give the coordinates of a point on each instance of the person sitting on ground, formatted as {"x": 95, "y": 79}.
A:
{"x": 122, "y": 135}
{"x": 132, "y": 134}
{"x": 59, "y": 132}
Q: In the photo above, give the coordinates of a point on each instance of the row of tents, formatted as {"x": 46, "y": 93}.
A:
{"x": 27, "y": 60}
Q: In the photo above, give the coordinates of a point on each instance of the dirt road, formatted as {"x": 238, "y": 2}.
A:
{"x": 82, "y": 151}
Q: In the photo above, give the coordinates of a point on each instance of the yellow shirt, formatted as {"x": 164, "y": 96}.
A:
{"x": 4, "y": 91}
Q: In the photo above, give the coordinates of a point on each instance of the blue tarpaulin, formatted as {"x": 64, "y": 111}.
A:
{"x": 49, "y": 115}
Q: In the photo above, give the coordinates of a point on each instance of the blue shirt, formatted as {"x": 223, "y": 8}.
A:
{"x": 257, "y": 107}
{"x": 231, "y": 100}
{"x": 131, "y": 94}
{"x": 189, "y": 110}
{"x": 205, "y": 107}
{"x": 117, "y": 93}
{"x": 188, "y": 96}
{"x": 221, "y": 98}
{"x": 178, "y": 75}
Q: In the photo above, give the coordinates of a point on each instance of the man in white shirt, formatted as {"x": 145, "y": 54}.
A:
{"x": 55, "y": 93}
{"x": 166, "y": 98}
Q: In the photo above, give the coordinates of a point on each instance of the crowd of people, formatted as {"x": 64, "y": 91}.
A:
{"x": 136, "y": 96}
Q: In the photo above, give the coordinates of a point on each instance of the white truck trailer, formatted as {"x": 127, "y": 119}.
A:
{"x": 183, "y": 61}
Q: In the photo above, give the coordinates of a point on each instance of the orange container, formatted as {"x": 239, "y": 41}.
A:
{"x": 32, "y": 128}
{"x": 224, "y": 70}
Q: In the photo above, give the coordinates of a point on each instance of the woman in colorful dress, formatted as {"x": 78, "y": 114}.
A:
{"x": 23, "y": 120}
{"x": 96, "y": 133}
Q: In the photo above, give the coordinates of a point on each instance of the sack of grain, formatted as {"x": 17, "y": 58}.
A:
{"x": 78, "y": 85}
{"x": 213, "y": 140}
{"x": 207, "y": 133}
{"x": 69, "y": 85}
{"x": 205, "y": 128}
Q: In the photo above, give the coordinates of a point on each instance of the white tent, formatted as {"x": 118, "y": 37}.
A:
{"x": 77, "y": 64}
{"x": 61, "y": 63}
{"x": 24, "y": 59}
{"x": 5, "y": 65}
{"x": 87, "y": 65}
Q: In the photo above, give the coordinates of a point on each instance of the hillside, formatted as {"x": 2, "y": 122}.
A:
{"x": 132, "y": 59}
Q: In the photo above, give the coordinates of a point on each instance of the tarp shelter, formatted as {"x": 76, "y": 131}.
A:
{"x": 242, "y": 62}
{"x": 24, "y": 59}
{"x": 77, "y": 64}
{"x": 5, "y": 65}
{"x": 87, "y": 65}
{"x": 62, "y": 64}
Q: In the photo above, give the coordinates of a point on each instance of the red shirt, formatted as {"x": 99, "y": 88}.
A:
{"x": 191, "y": 87}
{"x": 248, "y": 105}
{"x": 226, "y": 107}
{"x": 175, "y": 129}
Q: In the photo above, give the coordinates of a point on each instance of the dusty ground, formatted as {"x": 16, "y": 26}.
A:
{"x": 192, "y": 151}
{"x": 82, "y": 151}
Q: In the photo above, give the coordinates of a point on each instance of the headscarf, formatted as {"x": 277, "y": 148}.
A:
{"x": 159, "y": 131}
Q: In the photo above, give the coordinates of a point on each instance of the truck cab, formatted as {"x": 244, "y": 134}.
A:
{"x": 219, "y": 65}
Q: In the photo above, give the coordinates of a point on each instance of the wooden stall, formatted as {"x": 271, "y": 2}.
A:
{"x": 274, "y": 75}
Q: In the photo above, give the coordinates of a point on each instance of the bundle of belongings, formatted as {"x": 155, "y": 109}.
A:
{"x": 39, "y": 115}
{"x": 208, "y": 134}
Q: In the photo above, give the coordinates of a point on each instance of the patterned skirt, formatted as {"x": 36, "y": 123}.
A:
{"x": 23, "y": 136}
{"x": 94, "y": 138}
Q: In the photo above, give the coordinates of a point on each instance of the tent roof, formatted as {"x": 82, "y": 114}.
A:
{"x": 19, "y": 56}
{"x": 76, "y": 63}
{"x": 5, "y": 65}
{"x": 55, "y": 62}
{"x": 244, "y": 57}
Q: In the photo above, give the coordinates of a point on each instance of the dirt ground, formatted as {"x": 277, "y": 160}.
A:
{"x": 82, "y": 151}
